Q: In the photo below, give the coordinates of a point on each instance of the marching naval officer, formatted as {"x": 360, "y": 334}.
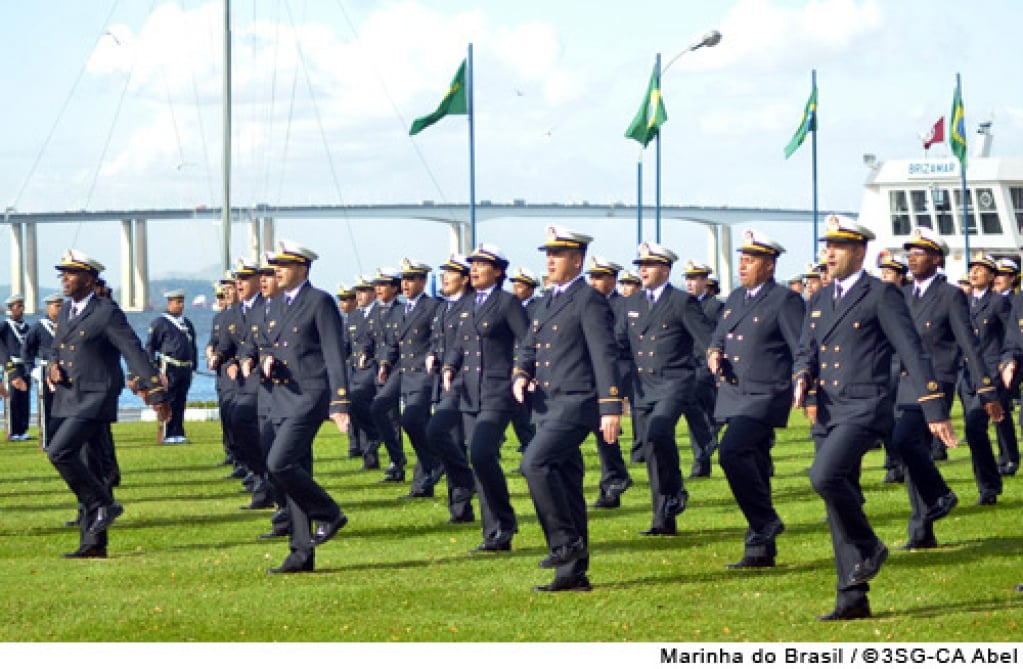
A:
{"x": 12, "y": 337}
{"x": 568, "y": 361}
{"x": 84, "y": 369}
{"x": 614, "y": 475}
{"x": 484, "y": 353}
{"x": 941, "y": 316}
{"x": 171, "y": 345}
{"x": 524, "y": 283}
{"x": 662, "y": 326}
{"x": 37, "y": 346}
{"x": 700, "y": 415}
{"x": 384, "y": 319}
{"x": 304, "y": 358}
{"x": 362, "y": 373}
{"x": 751, "y": 353}
{"x": 841, "y": 376}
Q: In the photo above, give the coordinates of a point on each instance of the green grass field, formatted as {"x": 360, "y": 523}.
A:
{"x": 185, "y": 563}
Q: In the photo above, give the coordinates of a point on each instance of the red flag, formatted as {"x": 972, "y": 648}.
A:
{"x": 936, "y": 135}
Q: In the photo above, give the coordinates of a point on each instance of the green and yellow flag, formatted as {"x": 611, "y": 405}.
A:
{"x": 957, "y": 128}
{"x": 807, "y": 124}
{"x": 651, "y": 115}
{"x": 454, "y": 102}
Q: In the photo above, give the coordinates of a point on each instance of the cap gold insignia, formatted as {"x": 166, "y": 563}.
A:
{"x": 932, "y": 385}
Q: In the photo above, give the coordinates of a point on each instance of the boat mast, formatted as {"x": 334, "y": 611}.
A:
{"x": 226, "y": 211}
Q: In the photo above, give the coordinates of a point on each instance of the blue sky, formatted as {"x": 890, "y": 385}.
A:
{"x": 556, "y": 85}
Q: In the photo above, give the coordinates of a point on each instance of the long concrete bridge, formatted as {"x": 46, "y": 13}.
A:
{"x": 261, "y": 219}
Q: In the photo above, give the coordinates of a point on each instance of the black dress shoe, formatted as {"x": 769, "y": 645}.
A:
{"x": 290, "y": 567}
{"x": 325, "y": 531}
{"x": 700, "y": 471}
{"x": 563, "y": 555}
{"x": 1008, "y": 469}
{"x": 918, "y": 545}
{"x": 748, "y": 562}
{"x": 656, "y": 531}
{"x": 393, "y": 475}
{"x": 894, "y": 475}
{"x": 418, "y": 493}
{"x": 607, "y": 502}
{"x": 105, "y": 517}
{"x": 987, "y": 499}
{"x": 868, "y": 568}
{"x": 566, "y": 584}
{"x": 238, "y": 472}
{"x": 88, "y": 552}
{"x": 500, "y": 542}
{"x": 462, "y": 519}
{"x": 675, "y": 505}
{"x": 942, "y": 507}
{"x": 275, "y": 533}
{"x": 1019, "y": 587}
{"x": 847, "y": 613}
{"x": 255, "y": 506}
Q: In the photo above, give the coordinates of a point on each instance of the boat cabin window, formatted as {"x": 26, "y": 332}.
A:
{"x": 958, "y": 194}
{"x": 921, "y": 212}
{"x": 989, "y": 222}
{"x": 1017, "y": 206}
{"x": 901, "y": 223}
{"x": 941, "y": 210}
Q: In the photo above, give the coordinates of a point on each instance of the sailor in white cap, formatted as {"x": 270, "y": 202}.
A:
{"x": 697, "y": 278}
{"x": 365, "y": 439}
{"x": 226, "y": 295}
{"x": 1006, "y": 277}
{"x": 628, "y": 283}
{"x": 37, "y": 343}
{"x": 989, "y": 317}
{"x": 302, "y": 355}
{"x": 751, "y": 354}
{"x": 861, "y": 318}
{"x": 664, "y": 324}
{"x": 16, "y": 382}
{"x": 614, "y": 475}
{"x": 383, "y": 319}
{"x": 92, "y": 335}
{"x": 568, "y": 361}
{"x": 172, "y": 347}
{"x": 406, "y": 381}
{"x": 445, "y": 430}
{"x": 524, "y": 284}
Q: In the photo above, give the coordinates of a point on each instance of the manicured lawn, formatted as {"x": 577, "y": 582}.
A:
{"x": 185, "y": 563}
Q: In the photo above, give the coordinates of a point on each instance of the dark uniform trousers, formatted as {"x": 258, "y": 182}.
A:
{"x": 88, "y": 351}
{"x": 845, "y": 359}
{"x": 483, "y": 354}
{"x": 409, "y": 388}
{"x": 446, "y": 431}
{"x": 758, "y": 340}
{"x": 309, "y": 377}
{"x": 989, "y": 316}
{"x": 614, "y": 475}
{"x": 661, "y": 339}
{"x": 362, "y": 381}
{"x": 941, "y": 317}
{"x": 385, "y": 407}
{"x": 570, "y": 354}
{"x": 179, "y": 380}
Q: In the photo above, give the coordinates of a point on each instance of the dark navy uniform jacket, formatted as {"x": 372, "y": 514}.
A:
{"x": 306, "y": 340}
{"x": 167, "y": 339}
{"x": 484, "y": 351}
{"x": 661, "y": 341}
{"x": 238, "y": 334}
{"x": 408, "y": 343}
{"x": 37, "y": 343}
{"x": 845, "y": 354}
{"x": 88, "y": 349}
{"x": 759, "y": 340}
{"x": 12, "y": 335}
{"x": 570, "y": 353}
{"x": 445, "y": 332}
{"x": 942, "y": 318}
{"x": 989, "y": 316}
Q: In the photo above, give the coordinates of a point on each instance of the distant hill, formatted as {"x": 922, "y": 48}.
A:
{"x": 157, "y": 287}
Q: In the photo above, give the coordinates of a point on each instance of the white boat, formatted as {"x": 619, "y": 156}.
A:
{"x": 199, "y": 302}
{"x": 900, "y": 195}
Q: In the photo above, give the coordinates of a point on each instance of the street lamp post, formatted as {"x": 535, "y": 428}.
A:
{"x": 711, "y": 38}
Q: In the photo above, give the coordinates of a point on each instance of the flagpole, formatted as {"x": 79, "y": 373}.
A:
{"x": 813, "y": 146}
{"x": 962, "y": 172}
{"x": 657, "y": 178}
{"x": 472, "y": 151}
{"x": 639, "y": 199}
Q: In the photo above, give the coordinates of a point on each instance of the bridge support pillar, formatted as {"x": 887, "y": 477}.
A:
{"x": 254, "y": 246}
{"x": 134, "y": 265}
{"x": 714, "y": 247}
{"x": 31, "y": 268}
{"x": 268, "y": 233}
{"x": 726, "y": 269}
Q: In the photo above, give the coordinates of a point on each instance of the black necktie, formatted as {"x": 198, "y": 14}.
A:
{"x": 747, "y": 298}
{"x": 650, "y": 299}
{"x": 916, "y": 293}
{"x": 838, "y": 292}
